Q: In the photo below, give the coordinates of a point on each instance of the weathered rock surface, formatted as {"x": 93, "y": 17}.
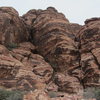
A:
{"x": 56, "y": 41}
{"x": 33, "y": 62}
{"x": 12, "y": 27}
{"x": 49, "y": 36}
{"x": 43, "y": 51}
{"x": 75, "y": 29}
{"x": 37, "y": 95}
{"x": 22, "y": 69}
{"x": 90, "y": 52}
{"x": 67, "y": 83}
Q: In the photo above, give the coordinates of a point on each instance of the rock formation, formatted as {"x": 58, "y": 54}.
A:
{"x": 43, "y": 52}
{"x": 90, "y": 52}
{"x": 56, "y": 41}
{"x": 12, "y": 28}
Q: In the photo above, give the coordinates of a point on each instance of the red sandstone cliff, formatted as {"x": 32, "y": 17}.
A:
{"x": 43, "y": 52}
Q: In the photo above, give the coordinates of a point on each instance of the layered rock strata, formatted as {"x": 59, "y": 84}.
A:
{"x": 12, "y": 27}
{"x": 90, "y": 52}
{"x": 43, "y": 51}
{"x": 55, "y": 39}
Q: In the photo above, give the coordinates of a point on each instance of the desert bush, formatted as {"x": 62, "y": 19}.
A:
{"x": 92, "y": 93}
{"x": 97, "y": 94}
{"x": 11, "y": 46}
{"x": 52, "y": 94}
{"x": 10, "y": 95}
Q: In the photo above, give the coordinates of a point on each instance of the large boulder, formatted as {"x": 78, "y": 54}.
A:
{"x": 50, "y": 31}
{"x": 12, "y": 27}
{"x": 55, "y": 39}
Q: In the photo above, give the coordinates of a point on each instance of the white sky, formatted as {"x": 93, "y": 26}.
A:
{"x": 75, "y": 10}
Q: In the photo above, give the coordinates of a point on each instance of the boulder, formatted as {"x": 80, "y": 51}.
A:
{"x": 54, "y": 40}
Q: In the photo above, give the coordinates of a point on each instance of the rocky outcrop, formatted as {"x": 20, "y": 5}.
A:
{"x": 90, "y": 52}
{"x": 49, "y": 25}
{"x": 21, "y": 69}
{"x": 12, "y": 27}
{"x": 56, "y": 41}
{"x": 42, "y": 52}
{"x": 33, "y": 62}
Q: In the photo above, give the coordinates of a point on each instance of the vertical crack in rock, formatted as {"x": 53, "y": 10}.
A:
{"x": 55, "y": 37}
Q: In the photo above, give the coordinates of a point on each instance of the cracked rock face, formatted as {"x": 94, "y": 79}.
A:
{"x": 51, "y": 55}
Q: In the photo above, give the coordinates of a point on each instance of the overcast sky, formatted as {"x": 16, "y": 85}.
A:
{"x": 75, "y": 10}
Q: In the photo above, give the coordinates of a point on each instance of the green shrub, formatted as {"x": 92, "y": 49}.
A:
{"x": 97, "y": 94}
{"x": 4, "y": 94}
{"x": 11, "y": 46}
{"x": 92, "y": 93}
{"x": 52, "y": 94}
{"x": 10, "y": 95}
